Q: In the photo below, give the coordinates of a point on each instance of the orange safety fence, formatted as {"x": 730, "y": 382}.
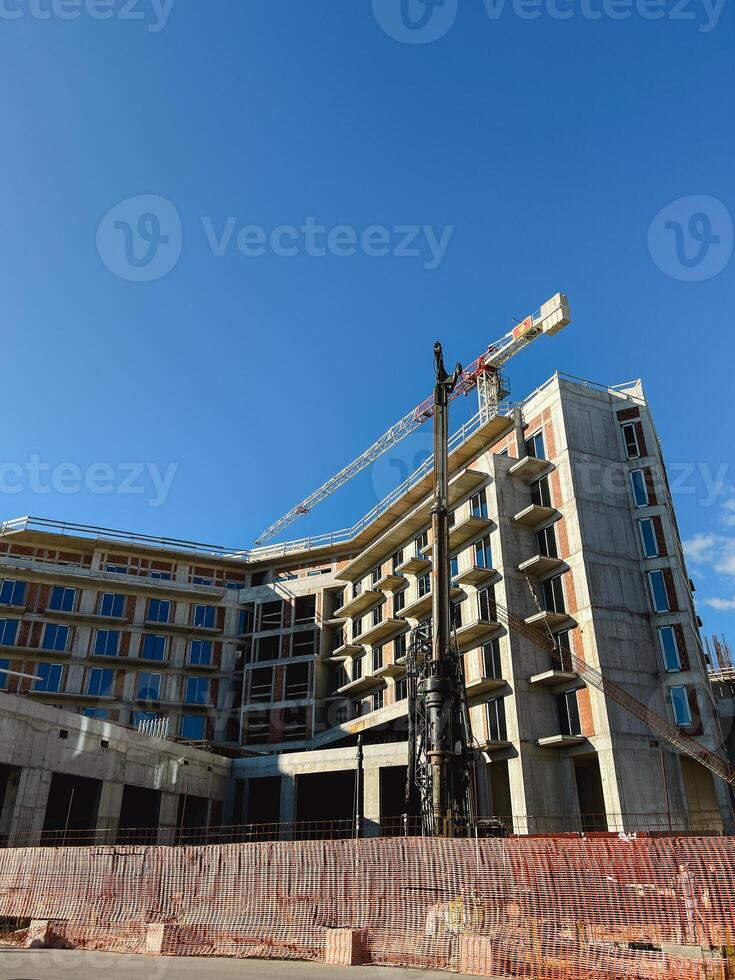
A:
{"x": 542, "y": 908}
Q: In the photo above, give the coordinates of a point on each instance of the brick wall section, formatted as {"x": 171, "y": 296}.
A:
{"x": 584, "y": 704}
{"x": 681, "y": 644}
{"x": 671, "y": 590}
{"x": 562, "y": 538}
{"x": 577, "y": 644}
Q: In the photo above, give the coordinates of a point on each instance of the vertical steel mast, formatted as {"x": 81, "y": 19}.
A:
{"x": 440, "y": 765}
{"x": 438, "y": 685}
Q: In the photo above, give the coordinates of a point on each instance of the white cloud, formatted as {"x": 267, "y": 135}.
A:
{"x": 715, "y": 552}
{"x": 722, "y": 605}
{"x": 699, "y": 549}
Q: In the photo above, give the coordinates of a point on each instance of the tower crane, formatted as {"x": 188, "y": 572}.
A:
{"x": 484, "y": 374}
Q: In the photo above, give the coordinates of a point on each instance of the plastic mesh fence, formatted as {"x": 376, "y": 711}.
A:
{"x": 543, "y": 908}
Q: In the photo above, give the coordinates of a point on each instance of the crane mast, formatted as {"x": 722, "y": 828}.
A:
{"x": 484, "y": 374}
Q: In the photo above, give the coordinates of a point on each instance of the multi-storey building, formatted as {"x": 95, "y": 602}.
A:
{"x": 561, "y": 513}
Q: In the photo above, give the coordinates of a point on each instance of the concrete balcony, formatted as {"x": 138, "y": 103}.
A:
{"x": 475, "y": 633}
{"x": 391, "y": 670}
{"x": 542, "y": 565}
{"x": 561, "y": 741}
{"x": 390, "y": 583}
{"x": 382, "y": 631}
{"x": 497, "y": 745}
{"x": 553, "y": 678}
{"x": 79, "y": 617}
{"x": 470, "y": 528}
{"x": 361, "y": 686}
{"x": 363, "y": 601}
{"x": 535, "y": 514}
{"x": 422, "y": 605}
{"x": 528, "y": 467}
{"x": 414, "y": 566}
{"x": 477, "y": 576}
{"x": 419, "y": 497}
{"x": 550, "y": 618}
{"x": 484, "y": 685}
{"x": 347, "y": 651}
{"x": 153, "y": 624}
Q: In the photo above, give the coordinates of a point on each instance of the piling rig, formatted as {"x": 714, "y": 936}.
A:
{"x": 440, "y": 782}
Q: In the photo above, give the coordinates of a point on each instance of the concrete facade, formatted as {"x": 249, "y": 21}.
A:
{"x": 561, "y": 514}
{"x": 46, "y": 752}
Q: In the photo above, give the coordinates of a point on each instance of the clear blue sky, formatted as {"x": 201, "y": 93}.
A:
{"x": 549, "y": 146}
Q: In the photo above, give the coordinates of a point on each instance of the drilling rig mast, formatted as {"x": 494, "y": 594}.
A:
{"x": 440, "y": 782}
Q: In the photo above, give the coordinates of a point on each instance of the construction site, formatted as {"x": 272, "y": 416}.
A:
{"x": 478, "y": 731}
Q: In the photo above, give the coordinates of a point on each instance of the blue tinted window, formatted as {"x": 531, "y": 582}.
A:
{"x": 4, "y": 665}
{"x": 99, "y": 713}
{"x": 159, "y": 610}
{"x": 203, "y": 616}
{"x": 669, "y": 648}
{"x": 100, "y": 681}
{"x": 55, "y": 637}
{"x": 165, "y": 576}
{"x": 62, "y": 599}
{"x": 149, "y": 686}
{"x": 112, "y": 604}
{"x": 12, "y": 593}
{"x": 200, "y": 652}
{"x": 483, "y": 553}
{"x": 50, "y": 677}
{"x": 535, "y": 446}
{"x": 640, "y": 491}
{"x": 454, "y": 567}
{"x": 648, "y": 537}
{"x": 680, "y": 704}
{"x": 192, "y": 727}
{"x": 659, "y": 594}
{"x": 106, "y": 643}
{"x": 8, "y": 630}
{"x": 154, "y": 647}
{"x": 196, "y": 690}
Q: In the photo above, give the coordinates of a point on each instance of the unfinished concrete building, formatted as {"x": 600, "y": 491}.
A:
{"x": 561, "y": 513}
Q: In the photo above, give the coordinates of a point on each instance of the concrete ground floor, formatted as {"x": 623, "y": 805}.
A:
{"x": 62, "y": 964}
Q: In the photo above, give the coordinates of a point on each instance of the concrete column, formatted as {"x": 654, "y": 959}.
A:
{"x": 167, "y": 817}
{"x": 29, "y": 811}
{"x": 9, "y": 798}
{"x": 288, "y": 798}
{"x": 484, "y": 803}
{"x": 371, "y": 801}
{"x": 108, "y": 812}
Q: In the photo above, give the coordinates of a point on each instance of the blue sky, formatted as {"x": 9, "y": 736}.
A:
{"x": 543, "y": 150}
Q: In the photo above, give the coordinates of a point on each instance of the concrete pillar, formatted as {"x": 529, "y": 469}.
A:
{"x": 108, "y": 812}
{"x": 9, "y": 798}
{"x": 484, "y": 802}
{"x": 167, "y": 818}
{"x": 287, "y": 813}
{"x": 29, "y": 811}
{"x": 371, "y": 801}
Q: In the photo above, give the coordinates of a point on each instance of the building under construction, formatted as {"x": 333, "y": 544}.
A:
{"x": 561, "y": 525}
